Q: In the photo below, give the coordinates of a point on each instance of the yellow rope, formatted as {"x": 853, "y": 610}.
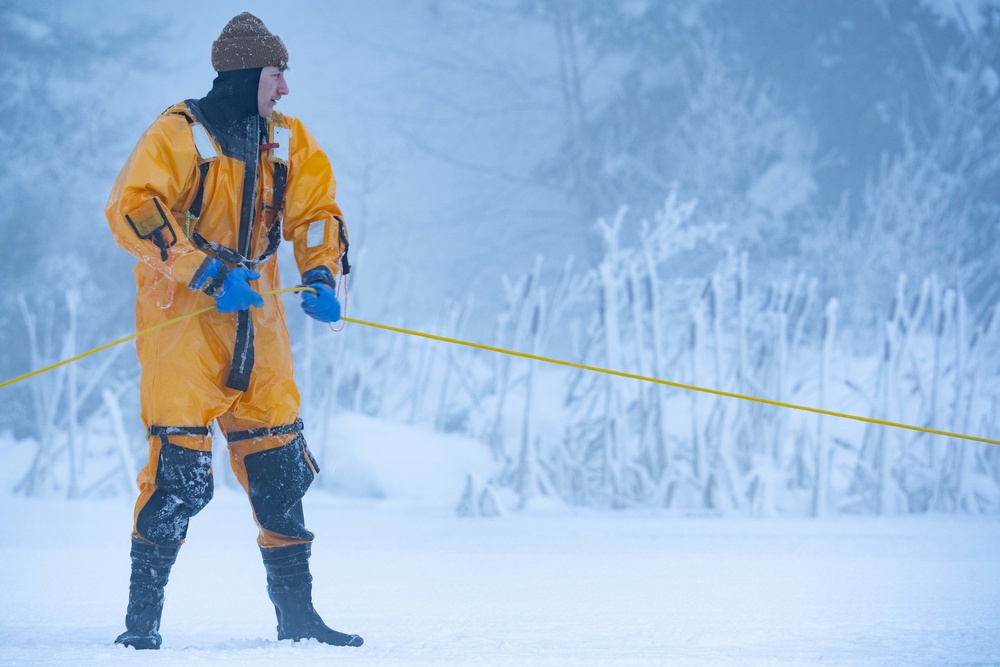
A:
{"x": 524, "y": 355}
{"x": 137, "y": 334}
{"x": 679, "y": 385}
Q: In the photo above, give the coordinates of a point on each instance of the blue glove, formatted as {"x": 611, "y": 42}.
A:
{"x": 229, "y": 287}
{"x": 321, "y": 305}
{"x": 236, "y": 293}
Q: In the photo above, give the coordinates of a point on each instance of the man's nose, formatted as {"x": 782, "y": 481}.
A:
{"x": 283, "y": 88}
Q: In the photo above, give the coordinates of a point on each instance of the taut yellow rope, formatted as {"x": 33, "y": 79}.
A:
{"x": 678, "y": 385}
{"x": 533, "y": 357}
{"x": 137, "y": 334}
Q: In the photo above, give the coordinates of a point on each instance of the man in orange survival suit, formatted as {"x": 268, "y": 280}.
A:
{"x": 203, "y": 202}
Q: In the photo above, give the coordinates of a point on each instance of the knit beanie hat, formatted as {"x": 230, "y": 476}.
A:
{"x": 246, "y": 43}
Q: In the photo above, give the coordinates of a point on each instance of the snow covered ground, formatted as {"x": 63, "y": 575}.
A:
{"x": 546, "y": 587}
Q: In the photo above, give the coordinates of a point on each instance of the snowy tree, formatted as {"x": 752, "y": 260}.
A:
{"x": 931, "y": 206}
{"x": 57, "y": 300}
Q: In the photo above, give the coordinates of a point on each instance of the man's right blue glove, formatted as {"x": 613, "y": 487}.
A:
{"x": 322, "y": 304}
{"x": 236, "y": 292}
{"x": 229, "y": 287}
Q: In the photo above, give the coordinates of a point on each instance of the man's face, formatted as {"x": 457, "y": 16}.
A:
{"x": 271, "y": 89}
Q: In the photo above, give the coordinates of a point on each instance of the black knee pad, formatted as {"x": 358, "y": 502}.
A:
{"x": 277, "y": 479}
{"x": 186, "y": 474}
{"x": 184, "y": 486}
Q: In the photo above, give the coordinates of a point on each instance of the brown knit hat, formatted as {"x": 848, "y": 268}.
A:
{"x": 246, "y": 43}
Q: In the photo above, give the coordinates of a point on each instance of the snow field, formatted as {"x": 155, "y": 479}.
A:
{"x": 547, "y": 587}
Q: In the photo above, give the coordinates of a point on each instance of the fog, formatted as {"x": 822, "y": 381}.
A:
{"x": 794, "y": 200}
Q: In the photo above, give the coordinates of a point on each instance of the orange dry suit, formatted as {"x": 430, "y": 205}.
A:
{"x": 192, "y": 191}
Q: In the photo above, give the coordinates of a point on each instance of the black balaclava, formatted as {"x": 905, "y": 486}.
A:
{"x": 233, "y": 98}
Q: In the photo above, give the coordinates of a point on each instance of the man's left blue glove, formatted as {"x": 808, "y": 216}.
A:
{"x": 322, "y": 304}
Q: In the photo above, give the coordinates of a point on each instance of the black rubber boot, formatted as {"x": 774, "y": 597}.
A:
{"x": 289, "y": 585}
{"x": 151, "y": 565}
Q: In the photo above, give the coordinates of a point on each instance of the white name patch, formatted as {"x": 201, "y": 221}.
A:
{"x": 282, "y": 137}
{"x": 206, "y": 150}
{"x": 316, "y": 234}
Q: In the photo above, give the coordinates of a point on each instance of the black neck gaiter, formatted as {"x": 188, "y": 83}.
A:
{"x": 233, "y": 98}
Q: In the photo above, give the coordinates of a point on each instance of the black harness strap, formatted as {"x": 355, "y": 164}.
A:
{"x": 177, "y": 430}
{"x": 234, "y": 257}
{"x": 345, "y": 266}
{"x": 230, "y": 256}
{"x": 246, "y": 148}
{"x": 243, "y": 350}
{"x": 265, "y": 432}
{"x": 243, "y": 353}
{"x": 162, "y": 432}
{"x": 280, "y": 179}
{"x": 195, "y": 209}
